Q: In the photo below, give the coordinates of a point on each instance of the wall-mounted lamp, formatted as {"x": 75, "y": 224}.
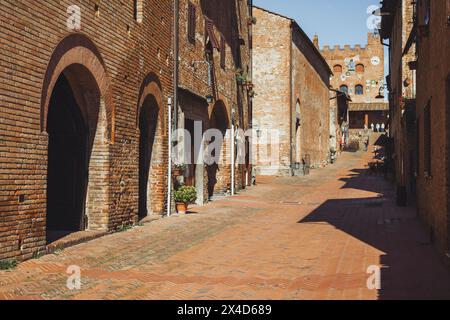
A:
{"x": 209, "y": 99}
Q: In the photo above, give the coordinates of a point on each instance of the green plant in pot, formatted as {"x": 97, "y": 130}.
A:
{"x": 185, "y": 196}
{"x": 241, "y": 76}
{"x": 251, "y": 21}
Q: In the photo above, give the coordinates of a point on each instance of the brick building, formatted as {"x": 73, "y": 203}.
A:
{"x": 214, "y": 42}
{"x": 430, "y": 37}
{"x": 83, "y": 93}
{"x": 359, "y": 72}
{"x": 398, "y": 28}
{"x": 292, "y": 86}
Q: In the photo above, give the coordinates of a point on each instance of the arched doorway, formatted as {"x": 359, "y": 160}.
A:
{"x": 73, "y": 116}
{"x": 77, "y": 113}
{"x": 148, "y": 123}
{"x": 219, "y": 173}
{"x": 67, "y": 163}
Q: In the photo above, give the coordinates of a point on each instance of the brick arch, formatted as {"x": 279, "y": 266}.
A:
{"x": 151, "y": 86}
{"x": 154, "y": 195}
{"x": 220, "y": 109}
{"x": 219, "y": 175}
{"x": 77, "y": 49}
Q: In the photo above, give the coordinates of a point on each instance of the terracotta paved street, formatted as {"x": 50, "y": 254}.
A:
{"x": 287, "y": 238}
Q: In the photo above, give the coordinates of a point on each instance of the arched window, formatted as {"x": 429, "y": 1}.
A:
{"x": 138, "y": 10}
{"x": 344, "y": 88}
{"x": 359, "y": 90}
{"x": 337, "y": 68}
{"x": 360, "y": 68}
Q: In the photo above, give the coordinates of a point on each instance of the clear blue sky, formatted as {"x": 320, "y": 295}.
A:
{"x": 334, "y": 21}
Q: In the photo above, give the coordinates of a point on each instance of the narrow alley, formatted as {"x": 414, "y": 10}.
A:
{"x": 287, "y": 238}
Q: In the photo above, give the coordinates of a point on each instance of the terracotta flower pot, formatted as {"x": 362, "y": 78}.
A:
{"x": 182, "y": 208}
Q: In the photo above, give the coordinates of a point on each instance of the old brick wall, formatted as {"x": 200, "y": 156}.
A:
{"x": 129, "y": 52}
{"x": 231, "y": 28}
{"x": 432, "y": 78}
{"x": 402, "y": 90}
{"x": 295, "y": 79}
{"x": 271, "y": 72}
{"x": 310, "y": 88}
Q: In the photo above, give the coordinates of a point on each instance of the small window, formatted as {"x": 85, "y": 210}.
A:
{"x": 138, "y": 10}
{"x": 359, "y": 90}
{"x": 192, "y": 22}
{"x": 337, "y": 68}
{"x": 344, "y": 88}
{"x": 360, "y": 68}
{"x": 417, "y": 138}
{"x": 427, "y": 140}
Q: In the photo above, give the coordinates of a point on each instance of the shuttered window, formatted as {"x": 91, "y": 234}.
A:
{"x": 138, "y": 11}
{"x": 192, "y": 22}
{"x": 223, "y": 52}
{"x": 418, "y": 133}
{"x": 427, "y": 140}
{"x": 209, "y": 26}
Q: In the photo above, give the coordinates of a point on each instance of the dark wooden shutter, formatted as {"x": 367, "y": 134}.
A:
{"x": 427, "y": 140}
{"x": 192, "y": 22}
{"x": 209, "y": 26}
{"x": 223, "y": 52}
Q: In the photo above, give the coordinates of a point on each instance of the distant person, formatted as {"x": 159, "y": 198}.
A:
{"x": 378, "y": 127}
{"x": 373, "y": 127}
{"x": 366, "y": 144}
{"x": 383, "y": 127}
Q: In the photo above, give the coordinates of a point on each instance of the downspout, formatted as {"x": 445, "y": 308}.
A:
{"x": 169, "y": 171}
{"x": 233, "y": 163}
{"x": 176, "y": 62}
{"x": 173, "y": 106}
{"x": 291, "y": 95}
{"x": 250, "y": 102}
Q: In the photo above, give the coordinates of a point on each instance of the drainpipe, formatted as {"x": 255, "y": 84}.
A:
{"x": 232, "y": 152}
{"x": 176, "y": 62}
{"x": 250, "y": 115}
{"x": 169, "y": 171}
{"x": 173, "y": 106}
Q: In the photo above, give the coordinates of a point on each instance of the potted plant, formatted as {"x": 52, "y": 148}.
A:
{"x": 184, "y": 196}
{"x": 241, "y": 77}
{"x": 179, "y": 170}
{"x": 251, "y": 20}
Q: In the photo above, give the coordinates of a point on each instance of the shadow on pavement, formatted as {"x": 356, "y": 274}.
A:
{"x": 410, "y": 267}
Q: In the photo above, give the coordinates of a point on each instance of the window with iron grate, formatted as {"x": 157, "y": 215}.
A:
{"x": 427, "y": 140}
